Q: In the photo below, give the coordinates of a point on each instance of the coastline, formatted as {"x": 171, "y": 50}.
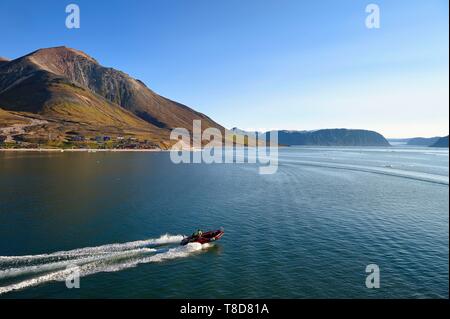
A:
{"x": 87, "y": 150}
{"x": 95, "y": 150}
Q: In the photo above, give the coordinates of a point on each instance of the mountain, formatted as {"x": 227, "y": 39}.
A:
{"x": 76, "y": 95}
{"x": 423, "y": 141}
{"x": 325, "y": 137}
{"x": 442, "y": 142}
{"x": 332, "y": 137}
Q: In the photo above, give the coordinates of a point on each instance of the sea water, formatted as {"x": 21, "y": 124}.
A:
{"x": 308, "y": 231}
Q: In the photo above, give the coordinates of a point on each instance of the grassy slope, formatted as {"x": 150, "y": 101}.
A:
{"x": 10, "y": 118}
{"x": 70, "y": 107}
{"x": 76, "y": 109}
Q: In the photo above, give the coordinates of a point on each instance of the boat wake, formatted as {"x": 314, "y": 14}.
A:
{"x": 387, "y": 170}
{"x": 33, "y": 270}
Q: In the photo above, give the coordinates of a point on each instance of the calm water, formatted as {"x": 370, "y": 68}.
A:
{"x": 307, "y": 231}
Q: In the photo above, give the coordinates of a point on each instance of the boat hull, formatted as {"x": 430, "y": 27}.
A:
{"x": 206, "y": 237}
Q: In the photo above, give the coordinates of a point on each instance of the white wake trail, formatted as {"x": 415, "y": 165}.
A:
{"x": 105, "y": 265}
{"x": 14, "y": 272}
{"x": 89, "y": 251}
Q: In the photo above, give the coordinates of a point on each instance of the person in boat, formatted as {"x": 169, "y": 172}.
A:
{"x": 198, "y": 233}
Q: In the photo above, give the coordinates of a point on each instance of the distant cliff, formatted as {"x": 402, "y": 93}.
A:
{"x": 332, "y": 137}
{"x": 442, "y": 142}
{"x": 329, "y": 137}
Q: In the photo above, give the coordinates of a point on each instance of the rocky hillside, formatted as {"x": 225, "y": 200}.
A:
{"x": 78, "y": 96}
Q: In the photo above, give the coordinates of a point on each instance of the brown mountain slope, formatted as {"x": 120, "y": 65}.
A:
{"x": 10, "y": 118}
{"x": 74, "y": 92}
{"x": 116, "y": 87}
{"x": 68, "y": 107}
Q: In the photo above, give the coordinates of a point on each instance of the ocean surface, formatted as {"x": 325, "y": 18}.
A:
{"x": 308, "y": 231}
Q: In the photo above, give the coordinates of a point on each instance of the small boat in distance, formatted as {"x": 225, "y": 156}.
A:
{"x": 203, "y": 237}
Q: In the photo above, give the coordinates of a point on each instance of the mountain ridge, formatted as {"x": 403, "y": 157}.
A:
{"x": 327, "y": 137}
{"x": 69, "y": 87}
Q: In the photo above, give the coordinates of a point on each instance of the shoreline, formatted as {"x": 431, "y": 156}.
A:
{"x": 95, "y": 150}
{"x": 87, "y": 150}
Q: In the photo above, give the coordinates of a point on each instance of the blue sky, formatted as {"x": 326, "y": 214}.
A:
{"x": 264, "y": 64}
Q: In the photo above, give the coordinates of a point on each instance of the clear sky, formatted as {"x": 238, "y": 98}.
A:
{"x": 264, "y": 64}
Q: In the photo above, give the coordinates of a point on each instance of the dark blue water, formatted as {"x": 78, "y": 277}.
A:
{"x": 308, "y": 231}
